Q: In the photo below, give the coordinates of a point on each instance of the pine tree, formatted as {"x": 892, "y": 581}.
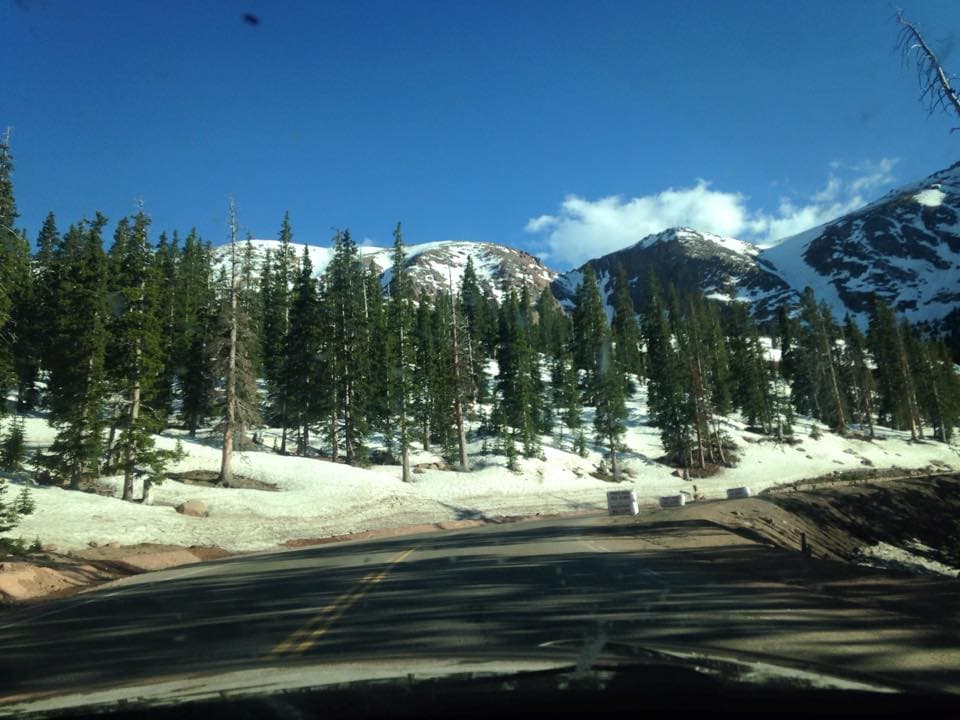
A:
{"x": 164, "y": 279}
{"x": 400, "y": 356}
{"x": 239, "y": 406}
{"x": 625, "y": 331}
{"x": 611, "y": 411}
{"x": 47, "y": 282}
{"x": 303, "y": 354}
{"x": 819, "y": 391}
{"x": 516, "y": 401}
{"x": 473, "y": 309}
{"x": 668, "y": 394}
{"x": 895, "y": 386}
{"x": 861, "y": 376}
{"x": 566, "y": 394}
{"x": 136, "y": 353}
{"x": 940, "y": 396}
{"x": 76, "y": 384}
{"x": 424, "y": 354}
{"x": 751, "y": 394}
{"x": 9, "y": 242}
{"x": 20, "y": 334}
{"x": 344, "y": 293}
{"x": 194, "y": 342}
{"x": 275, "y": 297}
{"x": 378, "y": 343}
{"x": 589, "y": 328}
{"x": 13, "y": 447}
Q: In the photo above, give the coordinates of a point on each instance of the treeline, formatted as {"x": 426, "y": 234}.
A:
{"x": 118, "y": 336}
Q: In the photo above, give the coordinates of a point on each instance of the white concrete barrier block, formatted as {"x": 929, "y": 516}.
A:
{"x": 673, "y": 500}
{"x": 622, "y": 502}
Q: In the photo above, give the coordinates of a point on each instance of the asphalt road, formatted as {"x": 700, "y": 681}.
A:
{"x": 495, "y": 591}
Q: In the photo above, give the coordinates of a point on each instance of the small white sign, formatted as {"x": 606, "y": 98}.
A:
{"x": 673, "y": 500}
{"x": 738, "y": 492}
{"x": 622, "y": 502}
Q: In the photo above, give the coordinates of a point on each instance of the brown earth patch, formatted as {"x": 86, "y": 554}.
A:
{"x": 209, "y": 478}
{"x": 50, "y": 574}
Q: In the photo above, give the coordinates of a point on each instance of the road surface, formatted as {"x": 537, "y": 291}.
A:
{"x": 499, "y": 591}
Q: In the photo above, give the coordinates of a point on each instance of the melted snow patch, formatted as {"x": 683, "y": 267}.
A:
{"x": 915, "y": 557}
{"x": 931, "y": 197}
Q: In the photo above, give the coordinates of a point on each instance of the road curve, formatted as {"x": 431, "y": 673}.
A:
{"x": 497, "y": 591}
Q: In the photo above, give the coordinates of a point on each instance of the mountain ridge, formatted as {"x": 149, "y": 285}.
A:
{"x": 903, "y": 247}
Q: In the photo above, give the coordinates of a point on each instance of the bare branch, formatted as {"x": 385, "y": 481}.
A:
{"x": 936, "y": 91}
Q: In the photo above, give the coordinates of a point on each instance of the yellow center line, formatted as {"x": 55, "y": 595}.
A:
{"x": 305, "y": 636}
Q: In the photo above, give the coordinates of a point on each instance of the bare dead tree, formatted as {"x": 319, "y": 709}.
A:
{"x": 936, "y": 92}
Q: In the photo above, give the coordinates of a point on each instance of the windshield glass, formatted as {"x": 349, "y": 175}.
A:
{"x": 349, "y": 341}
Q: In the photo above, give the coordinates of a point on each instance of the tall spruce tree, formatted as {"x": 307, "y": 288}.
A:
{"x": 895, "y": 386}
{"x": 589, "y": 329}
{"x": 236, "y": 361}
{"x": 400, "y": 356}
{"x": 668, "y": 395}
{"x": 136, "y": 355}
{"x": 76, "y": 384}
{"x": 939, "y": 387}
{"x": 304, "y": 372}
{"x": 818, "y": 341}
{"x": 9, "y": 242}
{"x": 611, "y": 410}
{"x": 516, "y": 404}
{"x": 344, "y": 293}
{"x": 860, "y": 375}
{"x": 275, "y": 295}
{"x": 566, "y": 393}
{"x": 196, "y": 313}
{"x": 625, "y": 331}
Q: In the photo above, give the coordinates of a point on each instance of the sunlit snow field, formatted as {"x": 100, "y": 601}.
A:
{"x": 318, "y": 498}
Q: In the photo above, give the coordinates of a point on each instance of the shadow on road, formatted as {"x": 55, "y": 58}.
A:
{"x": 490, "y": 591}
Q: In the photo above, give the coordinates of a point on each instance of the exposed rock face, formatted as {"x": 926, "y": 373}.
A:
{"x": 432, "y": 266}
{"x": 722, "y": 268}
{"x": 905, "y": 248}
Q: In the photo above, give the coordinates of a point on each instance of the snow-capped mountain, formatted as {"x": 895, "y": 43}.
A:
{"x": 904, "y": 247}
{"x": 723, "y": 268}
{"x": 433, "y": 266}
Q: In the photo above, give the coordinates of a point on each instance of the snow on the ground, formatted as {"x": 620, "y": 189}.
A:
{"x": 317, "y": 498}
{"x": 915, "y": 557}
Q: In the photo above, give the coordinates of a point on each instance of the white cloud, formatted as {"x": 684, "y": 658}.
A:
{"x": 589, "y": 228}
{"x": 584, "y": 228}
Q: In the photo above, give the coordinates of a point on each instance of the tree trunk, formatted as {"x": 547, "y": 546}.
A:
{"x": 613, "y": 458}
{"x": 128, "y": 458}
{"x": 458, "y": 402}
{"x": 841, "y": 423}
{"x": 226, "y": 467}
{"x": 112, "y": 435}
{"x": 334, "y": 450}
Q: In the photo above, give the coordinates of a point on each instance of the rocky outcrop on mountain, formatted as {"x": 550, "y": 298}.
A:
{"x": 432, "y": 266}
{"x": 722, "y": 268}
{"x": 905, "y": 248}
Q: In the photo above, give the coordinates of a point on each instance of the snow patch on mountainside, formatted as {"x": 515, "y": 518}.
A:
{"x": 931, "y": 197}
{"x": 433, "y": 266}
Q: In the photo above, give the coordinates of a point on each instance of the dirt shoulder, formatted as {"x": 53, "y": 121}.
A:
{"x": 50, "y": 574}
{"x": 839, "y": 519}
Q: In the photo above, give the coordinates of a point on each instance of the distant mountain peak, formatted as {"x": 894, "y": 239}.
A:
{"x": 433, "y": 266}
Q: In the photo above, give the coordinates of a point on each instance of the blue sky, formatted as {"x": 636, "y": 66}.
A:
{"x": 565, "y": 128}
